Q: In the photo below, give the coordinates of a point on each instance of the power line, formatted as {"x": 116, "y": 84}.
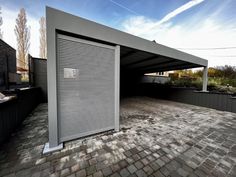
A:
{"x": 213, "y": 48}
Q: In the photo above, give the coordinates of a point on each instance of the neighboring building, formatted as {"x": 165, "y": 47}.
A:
{"x": 155, "y": 79}
{"x": 158, "y": 77}
{"x": 162, "y": 73}
{"x": 7, "y": 64}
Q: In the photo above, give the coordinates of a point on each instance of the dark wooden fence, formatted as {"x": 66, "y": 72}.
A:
{"x": 39, "y": 75}
{"x": 14, "y": 111}
{"x": 219, "y": 101}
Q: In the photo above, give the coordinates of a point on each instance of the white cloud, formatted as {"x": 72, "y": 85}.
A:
{"x": 205, "y": 34}
{"x": 174, "y": 13}
{"x": 179, "y": 10}
{"x": 9, "y": 20}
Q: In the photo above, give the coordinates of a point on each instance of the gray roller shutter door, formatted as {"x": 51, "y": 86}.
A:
{"x": 85, "y": 101}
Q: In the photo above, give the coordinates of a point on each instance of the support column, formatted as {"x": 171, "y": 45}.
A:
{"x": 204, "y": 79}
{"x": 117, "y": 88}
{"x": 53, "y": 144}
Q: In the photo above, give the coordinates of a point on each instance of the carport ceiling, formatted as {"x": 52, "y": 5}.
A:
{"x": 140, "y": 61}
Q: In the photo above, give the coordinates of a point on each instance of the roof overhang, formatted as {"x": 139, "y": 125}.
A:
{"x": 137, "y": 54}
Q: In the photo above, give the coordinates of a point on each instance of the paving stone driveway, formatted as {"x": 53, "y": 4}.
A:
{"x": 157, "y": 138}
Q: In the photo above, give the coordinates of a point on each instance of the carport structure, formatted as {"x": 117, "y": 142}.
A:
{"x": 85, "y": 64}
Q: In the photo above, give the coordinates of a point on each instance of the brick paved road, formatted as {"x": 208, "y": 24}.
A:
{"x": 157, "y": 138}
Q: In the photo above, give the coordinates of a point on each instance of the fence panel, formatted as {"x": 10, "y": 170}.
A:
{"x": 13, "y": 112}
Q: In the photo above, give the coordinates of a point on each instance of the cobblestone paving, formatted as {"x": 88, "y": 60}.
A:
{"x": 157, "y": 138}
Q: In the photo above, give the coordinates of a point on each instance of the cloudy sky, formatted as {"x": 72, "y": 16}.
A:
{"x": 206, "y": 28}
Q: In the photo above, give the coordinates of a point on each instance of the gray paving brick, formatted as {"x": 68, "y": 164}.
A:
{"x": 13, "y": 175}
{"x": 136, "y": 157}
{"x": 130, "y": 160}
{"x": 187, "y": 168}
{"x": 123, "y": 163}
{"x": 150, "y": 158}
{"x": 100, "y": 165}
{"x": 98, "y": 174}
{"x": 56, "y": 174}
{"x": 133, "y": 175}
{"x": 154, "y": 166}
{"x": 165, "y": 159}
{"x": 142, "y": 154}
{"x": 124, "y": 172}
{"x": 81, "y": 173}
{"x": 134, "y": 150}
{"x": 156, "y": 155}
{"x": 92, "y": 161}
{"x": 158, "y": 174}
{"x": 22, "y": 173}
{"x": 75, "y": 168}
{"x": 45, "y": 172}
{"x": 71, "y": 175}
{"x": 160, "y": 162}
{"x": 200, "y": 173}
{"x": 217, "y": 173}
{"x": 148, "y": 170}
{"x": 182, "y": 172}
{"x": 107, "y": 171}
{"x": 90, "y": 170}
{"x": 83, "y": 164}
{"x": 127, "y": 153}
{"x": 193, "y": 175}
{"x": 145, "y": 161}
{"x": 138, "y": 164}
{"x": 165, "y": 171}
{"x": 115, "y": 175}
{"x": 115, "y": 167}
{"x": 175, "y": 164}
{"x": 141, "y": 173}
{"x": 132, "y": 169}
{"x": 65, "y": 172}
{"x": 174, "y": 174}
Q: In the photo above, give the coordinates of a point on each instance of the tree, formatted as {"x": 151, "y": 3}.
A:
{"x": 227, "y": 71}
{"x": 43, "y": 43}
{"x": 22, "y": 32}
{"x": 185, "y": 73}
{"x": 212, "y": 72}
{"x": 1, "y": 33}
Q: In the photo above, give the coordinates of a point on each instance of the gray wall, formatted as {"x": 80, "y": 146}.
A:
{"x": 13, "y": 112}
{"x": 6, "y": 52}
{"x": 219, "y": 101}
{"x": 39, "y": 72}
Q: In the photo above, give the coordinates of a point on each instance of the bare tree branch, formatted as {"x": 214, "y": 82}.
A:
{"x": 43, "y": 44}
{"x": 22, "y": 32}
{"x": 1, "y": 21}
